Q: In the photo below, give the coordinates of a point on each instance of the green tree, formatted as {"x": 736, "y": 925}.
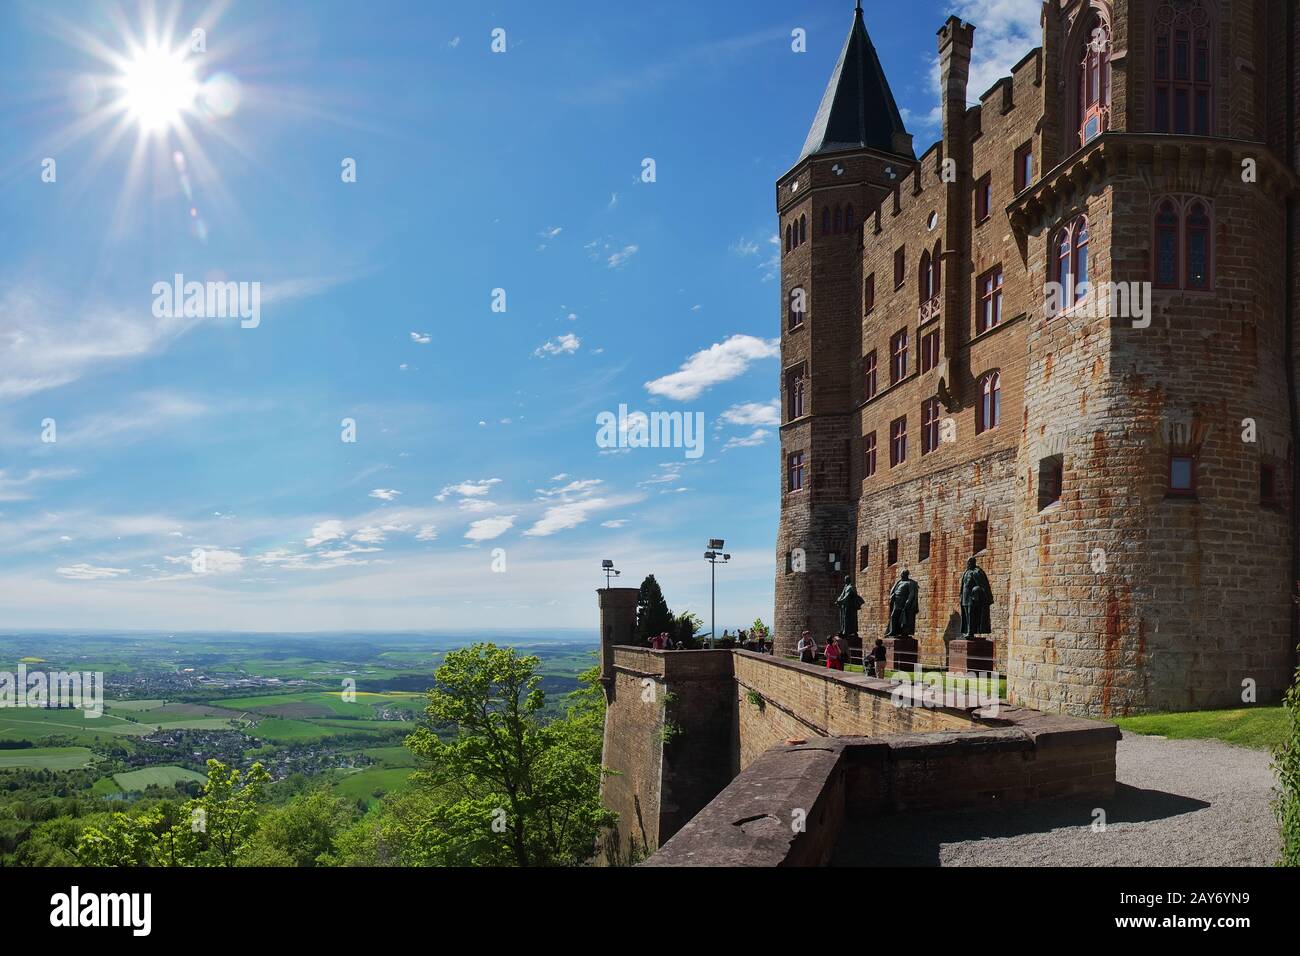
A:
{"x": 522, "y": 790}
{"x": 685, "y": 626}
{"x": 1286, "y": 764}
{"x": 300, "y": 832}
{"x": 146, "y": 838}
{"x": 225, "y": 813}
{"x": 652, "y": 614}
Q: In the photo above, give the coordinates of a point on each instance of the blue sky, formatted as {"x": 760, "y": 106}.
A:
{"x": 475, "y": 430}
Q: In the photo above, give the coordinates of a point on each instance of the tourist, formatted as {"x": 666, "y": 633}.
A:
{"x": 878, "y": 657}
{"x": 833, "y": 658}
{"x": 843, "y": 646}
{"x": 807, "y": 648}
{"x": 658, "y": 642}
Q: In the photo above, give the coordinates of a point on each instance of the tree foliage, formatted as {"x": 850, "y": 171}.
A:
{"x": 1286, "y": 764}
{"x": 510, "y": 788}
{"x": 652, "y": 614}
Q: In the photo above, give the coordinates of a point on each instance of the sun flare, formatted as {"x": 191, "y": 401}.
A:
{"x": 158, "y": 88}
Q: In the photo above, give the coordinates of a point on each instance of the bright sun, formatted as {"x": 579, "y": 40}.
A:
{"x": 158, "y": 88}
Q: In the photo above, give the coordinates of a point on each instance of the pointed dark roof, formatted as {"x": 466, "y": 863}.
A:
{"x": 858, "y": 108}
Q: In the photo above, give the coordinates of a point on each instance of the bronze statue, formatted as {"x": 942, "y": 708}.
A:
{"x": 976, "y": 599}
{"x": 904, "y": 602}
{"x": 848, "y": 602}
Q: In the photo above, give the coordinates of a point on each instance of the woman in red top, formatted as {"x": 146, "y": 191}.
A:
{"x": 833, "y": 659}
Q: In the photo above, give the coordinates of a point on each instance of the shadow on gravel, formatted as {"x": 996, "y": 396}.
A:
{"x": 916, "y": 839}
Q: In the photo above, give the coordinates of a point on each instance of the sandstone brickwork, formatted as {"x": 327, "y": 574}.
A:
{"x": 1116, "y": 592}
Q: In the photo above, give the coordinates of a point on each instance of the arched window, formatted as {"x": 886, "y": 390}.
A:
{"x": 826, "y": 220}
{"x": 988, "y": 414}
{"x": 848, "y": 219}
{"x": 1070, "y": 263}
{"x": 1181, "y": 84}
{"x": 1183, "y": 247}
{"x": 1091, "y": 60}
{"x": 839, "y": 222}
{"x": 803, "y": 229}
{"x": 1166, "y": 246}
{"x": 789, "y": 232}
{"x": 925, "y": 277}
{"x": 936, "y": 265}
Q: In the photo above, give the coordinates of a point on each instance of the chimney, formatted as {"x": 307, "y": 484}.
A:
{"x": 955, "y": 42}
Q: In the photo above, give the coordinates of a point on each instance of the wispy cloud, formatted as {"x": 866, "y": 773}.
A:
{"x": 753, "y": 413}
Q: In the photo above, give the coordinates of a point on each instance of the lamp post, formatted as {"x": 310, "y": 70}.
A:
{"x": 715, "y": 557}
{"x": 608, "y": 567}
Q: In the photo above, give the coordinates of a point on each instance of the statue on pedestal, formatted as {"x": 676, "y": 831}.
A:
{"x": 976, "y": 599}
{"x": 848, "y": 602}
{"x": 904, "y": 602}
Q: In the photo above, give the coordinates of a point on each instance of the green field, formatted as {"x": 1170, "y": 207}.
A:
{"x": 32, "y": 723}
{"x": 1262, "y": 728}
{"x": 364, "y": 784}
{"x": 315, "y": 704}
{"x": 390, "y": 756}
{"x": 156, "y": 777}
{"x": 45, "y": 758}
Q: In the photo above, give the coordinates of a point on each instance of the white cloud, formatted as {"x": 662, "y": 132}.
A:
{"x": 426, "y": 533}
{"x": 757, "y": 437}
{"x": 619, "y": 259}
{"x": 485, "y": 529}
{"x": 565, "y": 344}
{"x": 720, "y": 362}
{"x": 561, "y": 517}
{"x": 551, "y": 232}
{"x": 614, "y": 523}
{"x": 325, "y": 531}
{"x": 584, "y": 486}
{"x": 753, "y": 413}
{"x": 468, "y": 489}
{"x": 385, "y": 494}
{"x": 87, "y": 572}
{"x": 421, "y": 338}
{"x": 745, "y": 247}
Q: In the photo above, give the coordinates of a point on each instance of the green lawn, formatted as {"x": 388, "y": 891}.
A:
{"x": 45, "y": 758}
{"x": 1260, "y": 727}
{"x": 156, "y": 777}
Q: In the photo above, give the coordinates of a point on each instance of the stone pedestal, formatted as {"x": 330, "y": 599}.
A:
{"x": 900, "y": 653}
{"x": 973, "y": 656}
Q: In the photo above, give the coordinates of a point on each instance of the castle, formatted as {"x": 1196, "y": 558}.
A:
{"x": 1063, "y": 340}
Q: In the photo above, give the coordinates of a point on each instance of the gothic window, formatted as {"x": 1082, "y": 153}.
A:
{"x": 925, "y": 277}
{"x": 1070, "y": 262}
{"x": 988, "y": 413}
{"x": 1181, "y": 242}
{"x": 826, "y": 220}
{"x": 795, "y": 388}
{"x": 803, "y": 229}
{"x": 848, "y": 219}
{"x": 1181, "y": 85}
{"x": 789, "y": 233}
{"x": 839, "y": 221}
{"x": 1091, "y": 61}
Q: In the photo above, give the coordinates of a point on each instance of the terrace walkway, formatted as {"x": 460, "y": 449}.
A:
{"x": 1177, "y": 803}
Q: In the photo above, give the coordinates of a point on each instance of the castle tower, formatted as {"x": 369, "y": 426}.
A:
{"x": 856, "y": 151}
{"x": 1154, "y": 525}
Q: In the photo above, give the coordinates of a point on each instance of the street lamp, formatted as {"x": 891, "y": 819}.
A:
{"x": 715, "y": 557}
{"x": 608, "y": 567}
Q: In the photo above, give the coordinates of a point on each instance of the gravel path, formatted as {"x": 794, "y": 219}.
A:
{"x": 1176, "y": 803}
